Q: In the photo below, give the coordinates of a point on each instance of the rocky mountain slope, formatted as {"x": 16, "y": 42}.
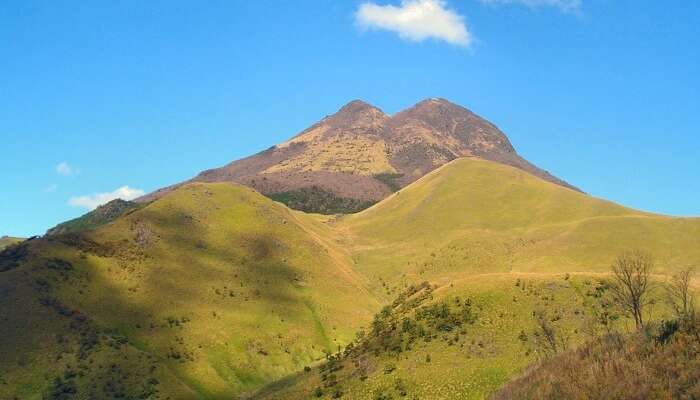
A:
{"x": 360, "y": 155}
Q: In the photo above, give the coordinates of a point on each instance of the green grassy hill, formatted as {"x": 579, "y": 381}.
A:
{"x": 474, "y": 216}
{"x": 215, "y": 291}
{"x": 211, "y": 291}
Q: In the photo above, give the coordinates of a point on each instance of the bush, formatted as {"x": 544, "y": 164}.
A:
{"x": 389, "y": 368}
{"x": 666, "y": 366}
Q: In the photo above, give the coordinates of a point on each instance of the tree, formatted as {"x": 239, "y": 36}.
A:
{"x": 679, "y": 296}
{"x": 631, "y": 287}
{"x": 547, "y": 338}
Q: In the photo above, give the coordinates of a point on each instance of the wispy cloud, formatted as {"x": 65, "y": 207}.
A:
{"x": 63, "y": 168}
{"x": 564, "y": 5}
{"x": 416, "y": 20}
{"x": 51, "y": 188}
{"x": 93, "y": 201}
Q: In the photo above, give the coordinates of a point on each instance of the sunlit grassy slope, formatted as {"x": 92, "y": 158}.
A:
{"x": 467, "y": 360}
{"x": 475, "y": 216}
{"x": 510, "y": 243}
{"x": 214, "y": 291}
{"x": 208, "y": 292}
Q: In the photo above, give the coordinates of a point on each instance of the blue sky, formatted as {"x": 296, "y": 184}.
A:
{"x": 133, "y": 95}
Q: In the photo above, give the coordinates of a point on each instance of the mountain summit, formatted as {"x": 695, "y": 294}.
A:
{"x": 360, "y": 155}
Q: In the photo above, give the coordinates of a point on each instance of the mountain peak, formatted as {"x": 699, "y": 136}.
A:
{"x": 437, "y": 103}
{"x": 435, "y": 100}
{"x": 358, "y": 106}
{"x": 357, "y": 114}
{"x": 360, "y": 155}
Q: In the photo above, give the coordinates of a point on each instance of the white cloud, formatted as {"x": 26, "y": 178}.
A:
{"x": 416, "y": 20}
{"x": 51, "y": 188}
{"x": 91, "y": 202}
{"x": 63, "y": 168}
{"x": 564, "y": 5}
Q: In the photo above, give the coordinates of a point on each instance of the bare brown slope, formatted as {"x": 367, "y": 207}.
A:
{"x": 435, "y": 131}
{"x": 359, "y": 155}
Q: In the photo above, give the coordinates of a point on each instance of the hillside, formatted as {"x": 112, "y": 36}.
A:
{"x": 360, "y": 155}
{"x": 663, "y": 365}
{"x": 210, "y": 291}
{"x": 102, "y": 215}
{"x": 214, "y": 290}
{"x": 6, "y": 241}
{"x": 466, "y": 340}
{"x": 474, "y": 216}
{"x": 510, "y": 244}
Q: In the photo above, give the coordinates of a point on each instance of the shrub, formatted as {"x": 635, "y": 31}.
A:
{"x": 664, "y": 366}
{"x": 389, "y": 368}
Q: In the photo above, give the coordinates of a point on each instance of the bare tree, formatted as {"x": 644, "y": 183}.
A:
{"x": 679, "y": 296}
{"x": 548, "y": 339}
{"x": 631, "y": 285}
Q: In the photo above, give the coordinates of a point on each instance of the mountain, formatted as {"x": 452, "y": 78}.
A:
{"x": 507, "y": 244}
{"x": 103, "y": 214}
{"x": 215, "y": 291}
{"x": 360, "y": 155}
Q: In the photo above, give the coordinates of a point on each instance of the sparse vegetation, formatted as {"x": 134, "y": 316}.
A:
{"x": 663, "y": 366}
{"x": 391, "y": 180}
{"x": 549, "y": 339}
{"x": 313, "y": 199}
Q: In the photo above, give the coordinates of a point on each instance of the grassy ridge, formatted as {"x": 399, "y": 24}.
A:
{"x": 102, "y": 215}
{"x": 474, "y": 216}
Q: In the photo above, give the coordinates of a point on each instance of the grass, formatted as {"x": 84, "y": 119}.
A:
{"x": 471, "y": 360}
{"x": 213, "y": 283}
{"x": 473, "y": 216}
{"x": 6, "y": 241}
{"x": 215, "y": 291}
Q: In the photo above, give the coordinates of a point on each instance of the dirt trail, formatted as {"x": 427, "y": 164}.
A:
{"x": 340, "y": 256}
